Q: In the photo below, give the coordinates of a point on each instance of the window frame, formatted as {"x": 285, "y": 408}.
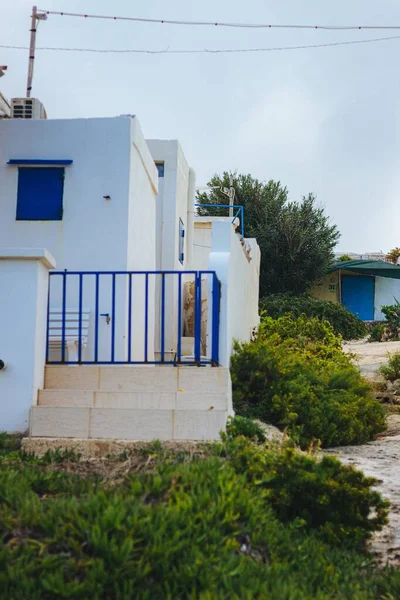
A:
{"x": 181, "y": 250}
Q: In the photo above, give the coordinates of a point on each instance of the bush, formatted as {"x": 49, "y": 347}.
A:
{"x": 240, "y": 426}
{"x": 324, "y": 495}
{"x": 231, "y": 526}
{"x": 391, "y": 371}
{"x": 304, "y": 383}
{"x": 344, "y": 323}
{"x": 392, "y": 314}
{"x": 377, "y": 332}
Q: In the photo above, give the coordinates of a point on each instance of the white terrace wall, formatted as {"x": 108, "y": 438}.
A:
{"x": 218, "y": 248}
{"x": 110, "y": 158}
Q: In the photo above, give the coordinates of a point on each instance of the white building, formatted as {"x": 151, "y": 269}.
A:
{"x": 111, "y": 216}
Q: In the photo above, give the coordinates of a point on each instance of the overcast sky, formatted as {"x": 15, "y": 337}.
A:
{"x": 322, "y": 120}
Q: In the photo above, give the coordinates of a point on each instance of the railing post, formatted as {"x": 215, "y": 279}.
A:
{"x": 64, "y": 308}
{"x": 113, "y": 318}
{"x": 130, "y": 318}
{"x": 179, "y": 340}
{"x": 162, "y": 317}
{"x": 80, "y": 318}
{"x": 216, "y": 302}
{"x": 146, "y": 318}
{"x": 96, "y": 319}
{"x": 48, "y": 322}
{"x": 197, "y": 318}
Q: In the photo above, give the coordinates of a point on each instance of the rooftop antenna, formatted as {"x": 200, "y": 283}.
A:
{"x": 35, "y": 18}
{"x": 230, "y": 193}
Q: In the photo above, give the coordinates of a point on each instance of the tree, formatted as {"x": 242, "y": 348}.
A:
{"x": 393, "y": 256}
{"x": 296, "y": 239}
{"x": 344, "y": 257}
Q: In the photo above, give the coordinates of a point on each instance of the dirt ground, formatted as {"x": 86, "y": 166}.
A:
{"x": 381, "y": 458}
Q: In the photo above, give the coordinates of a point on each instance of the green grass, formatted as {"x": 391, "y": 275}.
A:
{"x": 231, "y": 521}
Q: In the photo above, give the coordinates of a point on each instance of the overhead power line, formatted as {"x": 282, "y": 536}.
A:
{"x": 202, "y": 51}
{"x": 219, "y": 23}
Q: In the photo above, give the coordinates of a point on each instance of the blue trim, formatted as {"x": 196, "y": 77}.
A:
{"x": 33, "y": 162}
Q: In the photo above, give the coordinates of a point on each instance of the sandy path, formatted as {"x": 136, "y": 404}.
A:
{"x": 381, "y": 458}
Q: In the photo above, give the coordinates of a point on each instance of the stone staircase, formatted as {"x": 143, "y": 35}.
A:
{"x": 132, "y": 403}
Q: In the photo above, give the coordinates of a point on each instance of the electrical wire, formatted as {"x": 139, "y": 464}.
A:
{"x": 202, "y": 51}
{"x": 218, "y": 23}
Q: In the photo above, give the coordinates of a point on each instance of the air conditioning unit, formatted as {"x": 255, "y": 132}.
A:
{"x": 27, "y": 108}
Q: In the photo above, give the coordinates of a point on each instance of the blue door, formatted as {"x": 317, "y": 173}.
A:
{"x": 358, "y": 296}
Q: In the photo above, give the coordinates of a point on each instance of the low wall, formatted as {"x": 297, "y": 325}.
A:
{"x": 238, "y": 269}
{"x": 23, "y": 315}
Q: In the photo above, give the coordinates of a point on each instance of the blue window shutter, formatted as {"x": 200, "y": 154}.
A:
{"x": 40, "y": 194}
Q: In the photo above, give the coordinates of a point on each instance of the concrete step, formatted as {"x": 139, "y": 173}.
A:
{"x": 129, "y": 378}
{"x": 126, "y": 424}
{"x": 135, "y": 400}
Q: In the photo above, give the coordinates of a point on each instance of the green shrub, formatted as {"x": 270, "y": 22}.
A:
{"x": 392, "y": 314}
{"x": 343, "y": 322}
{"x": 377, "y": 332}
{"x": 304, "y": 383}
{"x": 9, "y": 443}
{"x": 231, "y": 526}
{"x": 240, "y": 426}
{"x": 391, "y": 371}
{"x": 323, "y": 494}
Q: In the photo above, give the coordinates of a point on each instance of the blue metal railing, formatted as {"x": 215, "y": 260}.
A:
{"x": 239, "y": 212}
{"x": 135, "y": 317}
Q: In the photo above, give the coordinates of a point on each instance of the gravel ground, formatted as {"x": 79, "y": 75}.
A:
{"x": 381, "y": 458}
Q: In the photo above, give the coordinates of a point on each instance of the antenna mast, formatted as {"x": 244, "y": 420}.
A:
{"x": 35, "y": 18}
{"x": 230, "y": 192}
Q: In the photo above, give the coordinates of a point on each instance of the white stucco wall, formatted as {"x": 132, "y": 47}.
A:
{"x": 217, "y": 248}
{"x": 387, "y": 291}
{"x": 23, "y": 317}
{"x": 172, "y": 205}
{"x": 110, "y": 158}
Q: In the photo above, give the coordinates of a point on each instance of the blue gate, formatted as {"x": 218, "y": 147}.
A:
{"x": 133, "y": 317}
